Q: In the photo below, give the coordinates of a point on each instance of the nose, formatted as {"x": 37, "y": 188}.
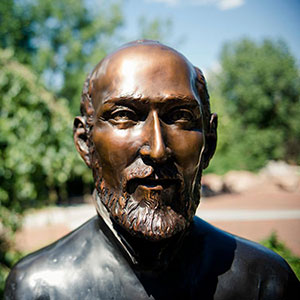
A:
{"x": 154, "y": 146}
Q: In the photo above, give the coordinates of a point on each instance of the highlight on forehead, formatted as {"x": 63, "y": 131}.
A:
{"x": 147, "y": 69}
{"x": 136, "y": 55}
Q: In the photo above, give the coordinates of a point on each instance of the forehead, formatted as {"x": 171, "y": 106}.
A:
{"x": 152, "y": 72}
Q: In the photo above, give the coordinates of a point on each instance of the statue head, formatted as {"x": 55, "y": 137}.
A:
{"x": 147, "y": 133}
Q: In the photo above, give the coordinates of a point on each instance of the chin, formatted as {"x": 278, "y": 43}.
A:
{"x": 144, "y": 219}
{"x": 154, "y": 224}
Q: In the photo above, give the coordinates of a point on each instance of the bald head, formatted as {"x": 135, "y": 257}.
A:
{"x": 144, "y": 70}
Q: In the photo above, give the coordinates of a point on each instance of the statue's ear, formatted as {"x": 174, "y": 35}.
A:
{"x": 210, "y": 141}
{"x": 81, "y": 139}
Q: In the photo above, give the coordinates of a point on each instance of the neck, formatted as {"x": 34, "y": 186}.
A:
{"x": 142, "y": 253}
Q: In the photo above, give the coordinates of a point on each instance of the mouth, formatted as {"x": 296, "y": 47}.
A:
{"x": 151, "y": 184}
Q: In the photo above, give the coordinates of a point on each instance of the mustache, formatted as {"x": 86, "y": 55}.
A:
{"x": 140, "y": 173}
{"x": 150, "y": 182}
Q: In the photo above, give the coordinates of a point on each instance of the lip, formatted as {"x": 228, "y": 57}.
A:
{"x": 151, "y": 184}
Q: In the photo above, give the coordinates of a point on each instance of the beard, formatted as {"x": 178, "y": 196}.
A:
{"x": 152, "y": 215}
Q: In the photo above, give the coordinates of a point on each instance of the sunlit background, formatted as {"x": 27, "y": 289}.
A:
{"x": 249, "y": 51}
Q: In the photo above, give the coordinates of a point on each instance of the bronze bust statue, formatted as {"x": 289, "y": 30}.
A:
{"x": 147, "y": 132}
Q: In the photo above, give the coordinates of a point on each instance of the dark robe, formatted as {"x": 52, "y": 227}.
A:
{"x": 90, "y": 263}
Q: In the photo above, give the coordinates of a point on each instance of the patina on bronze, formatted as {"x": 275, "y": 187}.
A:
{"x": 147, "y": 133}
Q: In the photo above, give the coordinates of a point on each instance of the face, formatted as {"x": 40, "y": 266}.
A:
{"x": 147, "y": 139}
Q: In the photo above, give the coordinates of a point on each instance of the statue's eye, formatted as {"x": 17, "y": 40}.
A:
{"x": 123, "y": 116}
{"x": 180, "y": 115}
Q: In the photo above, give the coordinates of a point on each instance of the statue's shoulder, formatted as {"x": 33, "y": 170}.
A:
{"x": 33, "y": 275}
{"x": 246, "y": 264}
{"x": 260, "y": 266}
{"x": 242, "y": 251}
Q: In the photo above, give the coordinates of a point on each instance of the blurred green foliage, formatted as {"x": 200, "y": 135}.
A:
{"x": 257, "y": 97}
{"x": 155, "y": 29}
{"x": 8, "y": 257}
{"x": 37, "y": 155}
{"x": 36, "y": 146}
{"x": 279, "y": 247}
{"x": 62, "y": 40}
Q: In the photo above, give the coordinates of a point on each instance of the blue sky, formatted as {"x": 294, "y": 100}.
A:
{"x": 205, "y": 25}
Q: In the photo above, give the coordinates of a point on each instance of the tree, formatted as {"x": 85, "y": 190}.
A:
{"x": 37, "y": 155}
{"x": 259, "y": 85}
{"x": 155, "y": 29}
{"x": 37, "y": 151}
{"x": 60, "y": 39}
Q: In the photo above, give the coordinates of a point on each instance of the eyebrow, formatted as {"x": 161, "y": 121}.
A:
{"x": 177, "y": 99}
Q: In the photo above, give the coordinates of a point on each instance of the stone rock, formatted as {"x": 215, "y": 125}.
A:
{"x": 214, "y": 183}
{"x": 240, "y": 181}
{"x": 283, "y": 175}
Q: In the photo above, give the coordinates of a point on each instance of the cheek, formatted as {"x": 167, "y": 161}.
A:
{"x": 116, "y": 149}
{"x": 187, "y": 147}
